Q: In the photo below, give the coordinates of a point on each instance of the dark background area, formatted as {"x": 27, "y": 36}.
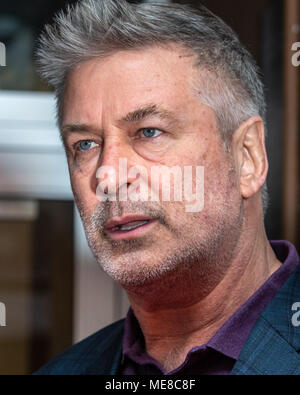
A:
{"x": 20, "y": 26}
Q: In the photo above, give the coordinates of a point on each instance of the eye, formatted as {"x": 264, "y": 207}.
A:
{"x": 86, "y": 145}
{"x": 150, "y": 133}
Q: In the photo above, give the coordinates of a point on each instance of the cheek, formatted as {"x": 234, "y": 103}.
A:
{"x": 215, "y": 167}
{"x": 221, "y": 185}
{"x": 84, "y": 165}
{"x": 83, "y": 174}
{"x": 155, "y": 150}
{"x": 83, "y": 191}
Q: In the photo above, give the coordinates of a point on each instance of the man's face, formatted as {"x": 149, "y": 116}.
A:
{"x": 142, "y": 106}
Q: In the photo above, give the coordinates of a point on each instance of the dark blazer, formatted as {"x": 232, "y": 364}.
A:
{"x": 272, "y": 347}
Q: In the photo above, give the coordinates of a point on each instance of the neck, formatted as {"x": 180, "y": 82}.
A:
{"x": 175, "y": 318}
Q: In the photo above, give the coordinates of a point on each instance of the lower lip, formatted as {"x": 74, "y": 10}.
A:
{"x": 131, "y": 234}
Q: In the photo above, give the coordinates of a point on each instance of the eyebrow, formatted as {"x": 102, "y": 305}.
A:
{"x": 76, "y": 127}
{"x": 137, "y": 115}
{"x": 145, "y": 112}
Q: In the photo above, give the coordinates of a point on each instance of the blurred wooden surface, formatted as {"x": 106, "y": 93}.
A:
{"x": 291, "y": 123}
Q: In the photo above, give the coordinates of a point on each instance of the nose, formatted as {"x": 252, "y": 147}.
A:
{"x": 112, "y": 174}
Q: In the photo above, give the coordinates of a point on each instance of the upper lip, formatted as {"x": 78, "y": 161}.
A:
{"x": 124, "y": 220}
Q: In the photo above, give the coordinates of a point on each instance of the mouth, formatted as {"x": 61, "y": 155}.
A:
{"x": 127, "y": 229}
{"x": 129, "y": 226}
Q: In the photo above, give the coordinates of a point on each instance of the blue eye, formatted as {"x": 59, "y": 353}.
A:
{"x": 150, "y": 133}
{"x": 86, "y": 145}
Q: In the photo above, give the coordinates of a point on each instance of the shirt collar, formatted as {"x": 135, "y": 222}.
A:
{"x": 231, "y": 337}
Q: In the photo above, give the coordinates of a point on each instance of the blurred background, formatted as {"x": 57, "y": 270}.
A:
{"x": 54, "y": 292}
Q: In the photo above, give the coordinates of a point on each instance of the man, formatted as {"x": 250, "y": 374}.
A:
{"x": 166, "y": 86}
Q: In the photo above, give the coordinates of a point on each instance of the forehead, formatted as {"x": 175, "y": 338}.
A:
{"x": 127, "y": 79}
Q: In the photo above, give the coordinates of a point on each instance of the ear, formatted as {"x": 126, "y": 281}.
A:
{"x": 251, "y": 156}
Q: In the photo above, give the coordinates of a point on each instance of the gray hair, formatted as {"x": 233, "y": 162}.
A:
{"x": 230, "y": 81}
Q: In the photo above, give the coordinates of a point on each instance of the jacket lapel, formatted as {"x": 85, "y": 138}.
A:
{"x": 107, "y": 362}
{"x": 273, "y": 344}
{"x": 107, "y": 357}
{"x": 266, "y": 353}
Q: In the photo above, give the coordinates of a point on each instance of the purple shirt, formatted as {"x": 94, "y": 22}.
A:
{"x": 219, "y": 354}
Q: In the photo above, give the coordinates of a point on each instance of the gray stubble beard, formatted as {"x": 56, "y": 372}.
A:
{"x": 132, "y": 264}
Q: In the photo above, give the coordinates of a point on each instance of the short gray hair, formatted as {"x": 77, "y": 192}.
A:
{"x": 230, "y": 83}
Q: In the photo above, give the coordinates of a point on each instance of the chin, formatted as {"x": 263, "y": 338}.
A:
{"x": 135, "y": 271}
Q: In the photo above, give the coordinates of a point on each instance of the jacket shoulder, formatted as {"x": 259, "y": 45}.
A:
{"x": 77, "y": 359}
